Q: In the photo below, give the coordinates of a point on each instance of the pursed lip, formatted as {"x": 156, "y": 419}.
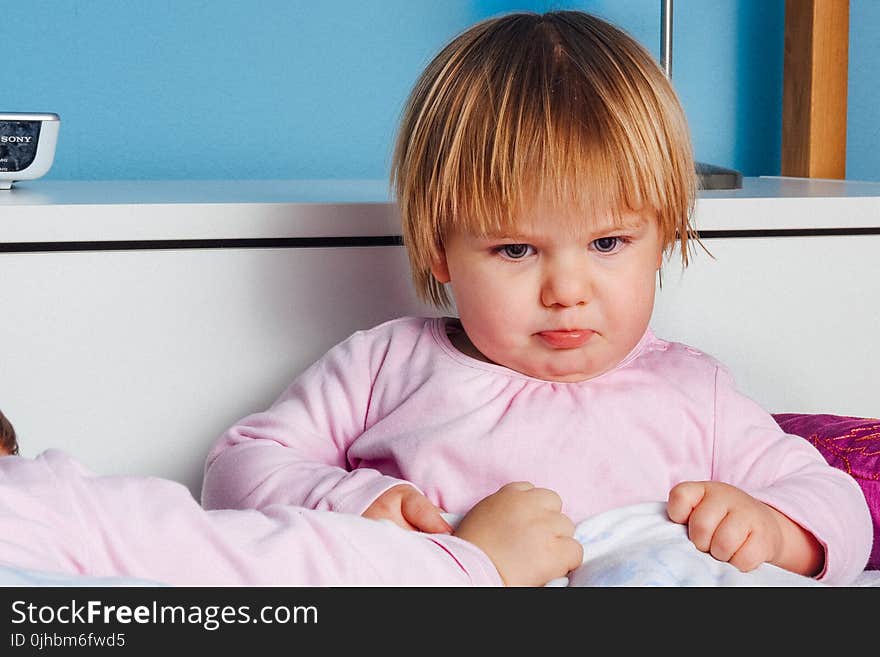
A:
{"x": 566, "y": 338}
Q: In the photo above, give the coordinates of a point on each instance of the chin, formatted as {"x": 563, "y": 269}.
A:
{"x": 574, "y": 373}
{"x": 562, "y": 375}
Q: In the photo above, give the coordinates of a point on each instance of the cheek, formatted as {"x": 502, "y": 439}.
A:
{"x": 487, "y": 303}
{"x": 632, "y": 298}
{"x": 489, "y": 307}
{"x": 643, "y": 305}
{"x": 489, "y": 327}
{"x": 475, "y": 287}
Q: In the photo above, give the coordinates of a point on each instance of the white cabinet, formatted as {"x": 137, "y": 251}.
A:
{"x": 141, "y": 318}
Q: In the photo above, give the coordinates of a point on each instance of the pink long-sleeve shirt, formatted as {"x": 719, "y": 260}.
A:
{"x": 399, "y": 403}
{"x": 56, "y": 516}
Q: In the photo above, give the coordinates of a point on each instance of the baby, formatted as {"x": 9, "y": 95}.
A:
{"x": 543, "y": 169}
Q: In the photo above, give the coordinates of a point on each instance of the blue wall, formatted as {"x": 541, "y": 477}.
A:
{"x": 863, "y": 94}
{"x": 303, "y": 89}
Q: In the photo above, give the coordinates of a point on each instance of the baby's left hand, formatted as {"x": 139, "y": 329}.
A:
{"x": 727, "y": 522}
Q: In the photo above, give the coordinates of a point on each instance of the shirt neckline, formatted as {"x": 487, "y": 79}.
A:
{"x": 439, "y": 325}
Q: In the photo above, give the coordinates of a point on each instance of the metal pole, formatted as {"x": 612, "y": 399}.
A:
{"x": 666, "y": 37}
{"x": 710, "y": 176}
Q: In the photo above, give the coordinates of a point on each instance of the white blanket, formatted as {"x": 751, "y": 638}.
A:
{"x": 639, "y": 545}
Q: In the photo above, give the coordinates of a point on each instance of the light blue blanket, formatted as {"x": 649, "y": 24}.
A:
{"x": 11, "y": 576}
{"x": 639, "y": 546}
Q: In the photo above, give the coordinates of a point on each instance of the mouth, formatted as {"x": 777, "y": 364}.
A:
{"x": 566, "y": 338}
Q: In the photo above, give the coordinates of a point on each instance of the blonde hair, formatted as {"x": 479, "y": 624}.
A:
{"x": 563, "y": 105}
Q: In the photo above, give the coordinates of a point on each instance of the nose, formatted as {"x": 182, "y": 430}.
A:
{"x": 566, "y": 284}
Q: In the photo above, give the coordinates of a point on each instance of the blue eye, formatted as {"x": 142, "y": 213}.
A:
{"x": 515, "y": 251}
{"x": 606, "y": 244}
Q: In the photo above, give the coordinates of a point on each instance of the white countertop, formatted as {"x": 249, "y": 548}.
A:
{"x": 778, "y": 203}
{"x": 77, "y": 211}
{"x": 161, "y": 192}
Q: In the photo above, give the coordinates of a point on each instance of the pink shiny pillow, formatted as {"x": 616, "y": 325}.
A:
{"x": 851, "y": 444}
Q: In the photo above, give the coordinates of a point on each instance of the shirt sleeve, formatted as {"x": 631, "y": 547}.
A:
{"x": 55, "y": 516}
{"x": 296, "y": 451}
{"x": 789, "y": 474}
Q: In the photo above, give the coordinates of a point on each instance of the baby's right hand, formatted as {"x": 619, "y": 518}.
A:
{"x": 524, "y": 532}
{"x": 408, "y": 508}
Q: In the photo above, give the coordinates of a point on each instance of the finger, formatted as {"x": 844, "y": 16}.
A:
{"x": 549, "y": 499}
{"x": 730, "y": 535}
{"x": 403, "y": 524}
{"x": 434, "y": 523}
{"x": 395, "y": 519}
{"x": 420, "y": 512}
{"x": 517, "y": 485}
{"x": 574, "y": 553}
{"x": 749, "y": 556}
{"x": 562, "y": 525}
{"x": 682, "y": 500}
{"x": 703, "y": 521}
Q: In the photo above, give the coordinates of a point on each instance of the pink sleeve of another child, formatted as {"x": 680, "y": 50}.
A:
{"x": 56, "y": 516}
{"x": 789, "y": 474}
{"x": 295, "y": 452}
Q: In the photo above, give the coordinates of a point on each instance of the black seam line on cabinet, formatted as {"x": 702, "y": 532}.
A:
{"x": 243, "y": 243}
{"x": 353, "y": 241}
{"x": 788, "y": 232}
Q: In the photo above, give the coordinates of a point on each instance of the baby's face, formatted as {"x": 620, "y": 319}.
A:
{"x": 561, "y": 299}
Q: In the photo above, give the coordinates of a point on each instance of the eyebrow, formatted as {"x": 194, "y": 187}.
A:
{"x": 598, "y": 229}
